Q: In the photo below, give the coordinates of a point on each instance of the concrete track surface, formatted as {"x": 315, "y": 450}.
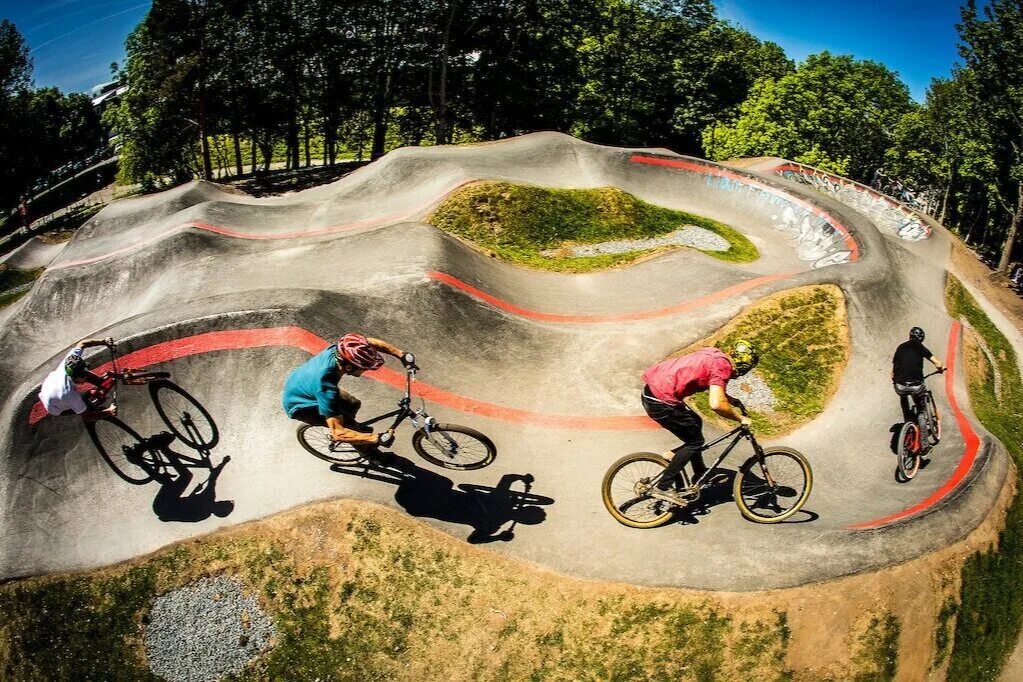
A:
{"x": 229, "y": 293}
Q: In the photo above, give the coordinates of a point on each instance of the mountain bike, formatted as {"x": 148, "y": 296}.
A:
{"x": 450, "y": 446}
{"x": 187, "y": 419}
{"x": 769, "y": 487}
{"x": 918, "y": 435}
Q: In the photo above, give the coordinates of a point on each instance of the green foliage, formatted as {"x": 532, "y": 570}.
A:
{"x": 878, "y": 658}
{"x": 990, "y": 613}
{"x": 517, "y": 222}
{"x": 11, "y": 278}
{"x": 803, "y": 344}
{"x": 832, "y": 112}
{"x": 75, "y": 628}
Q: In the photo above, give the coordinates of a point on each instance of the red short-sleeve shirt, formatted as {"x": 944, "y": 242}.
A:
{"x": 672, "y": 380}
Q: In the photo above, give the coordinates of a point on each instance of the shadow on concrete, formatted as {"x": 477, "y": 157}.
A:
{"x": 486, "y": 509}
{"x": 719, "y": 492}
{"x": 139, "y": 460}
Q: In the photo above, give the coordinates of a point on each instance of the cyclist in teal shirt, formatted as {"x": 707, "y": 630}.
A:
{"x": 311, "y": 394}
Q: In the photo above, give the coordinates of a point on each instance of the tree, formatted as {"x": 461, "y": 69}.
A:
{"x": 991, "y": 47}
{"x": 832, "y": 111}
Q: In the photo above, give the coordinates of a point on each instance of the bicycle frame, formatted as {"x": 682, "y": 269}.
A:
{"x": 420, "y": 419}
{"x": 737, "y": 434}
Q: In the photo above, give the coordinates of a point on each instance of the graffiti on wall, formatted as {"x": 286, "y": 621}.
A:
{"x": 815, "y": 238}
{"x": 888, "y": 215}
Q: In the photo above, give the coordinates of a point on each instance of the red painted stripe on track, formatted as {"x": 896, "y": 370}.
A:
{"x": 854, "y": 249}
{"x": 734, "y": 290}
{"x": 795, "y": 168}
{"x": 256, "y": 236}
{"x": 298, "y": 337}
{"x": 965, "y": 462}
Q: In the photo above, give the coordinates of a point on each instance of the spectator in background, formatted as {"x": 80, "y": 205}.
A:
{"x": 1016, "y": 275}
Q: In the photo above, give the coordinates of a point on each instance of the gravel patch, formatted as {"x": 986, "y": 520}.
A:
{"x": 205, "y": 631}
{"x": 690, "y": 235}
{"x": 753, "y": 391}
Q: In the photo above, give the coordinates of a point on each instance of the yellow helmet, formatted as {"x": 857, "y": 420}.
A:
{"x": 744, "y": 356}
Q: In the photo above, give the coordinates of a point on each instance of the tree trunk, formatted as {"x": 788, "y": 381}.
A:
{"x": 252, "y": 149}
{"x": 237, "y": 150}
{"x": 305, "y": 129}
{"x": 443, "y": 126}
{"x": 1010, "y": 239}
{"x": 204, "y": 142}
{"x": 948, "y": 193}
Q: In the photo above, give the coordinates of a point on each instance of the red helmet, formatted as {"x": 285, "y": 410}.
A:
{"x": 355, "y": 350}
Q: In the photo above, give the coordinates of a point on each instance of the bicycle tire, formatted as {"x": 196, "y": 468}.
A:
{"x": 934, "y": 418}
{"x": 753, "y": 494}
{"x": 907, "y": 451}
{"x": 110, "y": 441}
{"x": 629, "y": 480}
{"x": 479, "y": 450}
{"x": 139, "y": 378}
{"x": 317, "y": 440}
{"x": 169, "y": 399}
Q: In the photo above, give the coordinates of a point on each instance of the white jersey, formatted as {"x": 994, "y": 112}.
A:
{"x": 58, "y": 393}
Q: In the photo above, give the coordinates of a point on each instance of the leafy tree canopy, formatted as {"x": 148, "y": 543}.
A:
{"x": 834, "y": 112}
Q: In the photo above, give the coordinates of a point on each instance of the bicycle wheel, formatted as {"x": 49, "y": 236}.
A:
{"x": 317, "y": 441}
{"x": 113, "y": 438}
{"x": 454, "y": 447}
{"x": 772, "y": 489}
{"x": 184, "y": 416}
{"x": 933, "y": 418}
{"x": 908, "y": 451}
{"x": 624, "y": 491}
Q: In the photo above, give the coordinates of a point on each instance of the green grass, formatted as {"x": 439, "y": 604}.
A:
{"x": 518, "y": 222}
{"x": 878, "y": 658}
{"x": 803, "y": 342}
{"x": 991, "y": 610}
{"x": 11, "y": 278}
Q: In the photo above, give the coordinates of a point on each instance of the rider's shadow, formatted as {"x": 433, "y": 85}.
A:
{"x": 427, "y": 494}
{"x": 175, "y": 502}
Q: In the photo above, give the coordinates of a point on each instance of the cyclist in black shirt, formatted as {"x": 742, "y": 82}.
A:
{"x": 908, "y": 370}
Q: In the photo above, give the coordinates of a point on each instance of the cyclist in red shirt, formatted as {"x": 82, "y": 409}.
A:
{"x": 668, "y": 383}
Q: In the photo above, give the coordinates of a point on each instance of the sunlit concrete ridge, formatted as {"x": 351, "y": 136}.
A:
{"x": 229, "y": 293}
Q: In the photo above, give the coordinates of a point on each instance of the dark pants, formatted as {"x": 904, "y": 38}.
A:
{"x": 687, "y": 426}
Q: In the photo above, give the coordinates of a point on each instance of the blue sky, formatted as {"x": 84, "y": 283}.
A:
{"x": 915, "y": 38}
{"x": 74, "y": 41}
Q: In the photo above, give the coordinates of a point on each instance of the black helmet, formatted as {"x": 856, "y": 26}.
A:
{"x": 916, "y": 334}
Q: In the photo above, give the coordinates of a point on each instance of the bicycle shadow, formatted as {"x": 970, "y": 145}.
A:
{"x": 715, "y": 494}
{"x": 720, "y": 492}
{"x": 140, "y": 459}
{"x": 426, "y": 494}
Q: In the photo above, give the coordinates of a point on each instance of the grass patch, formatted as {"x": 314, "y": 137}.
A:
{"x": 990, "y": 611}
{"x": 517, "y": 222}
{"x": 878, "y": 657}
{"x": 359, "y": 592}
{"x": 803, "y": 339}
{"x": 12, "y": 278}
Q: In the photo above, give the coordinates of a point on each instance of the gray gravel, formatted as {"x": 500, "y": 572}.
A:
{"x": 690, "y": 235}
{"x": 753, "y": 391}
{"x": 205, "y": 631}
